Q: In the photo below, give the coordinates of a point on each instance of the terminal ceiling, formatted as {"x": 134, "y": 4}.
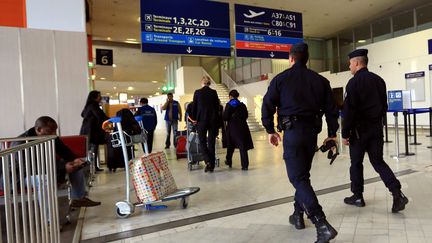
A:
{"x": 117, "y": 21}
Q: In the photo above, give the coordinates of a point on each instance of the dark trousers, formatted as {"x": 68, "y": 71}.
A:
{"x": 299, "y": 144}
{"x": 171, "y": 125}
{"x": 149, "y": 141}
{"x": 207, "y": 137}
{"x": 370, "y": 140}
{"x": 243, "y": 157}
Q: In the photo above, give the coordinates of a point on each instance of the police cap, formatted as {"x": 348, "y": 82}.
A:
{"x": 358, "y": 53}
{"x": 299, "y": 47}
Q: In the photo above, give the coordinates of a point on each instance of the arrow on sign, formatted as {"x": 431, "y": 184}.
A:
{"x": 189, "y": 50}
{"x": 271, "y": 54}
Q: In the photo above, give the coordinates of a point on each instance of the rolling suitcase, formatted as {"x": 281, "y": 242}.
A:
{"x": 181, "y": 145}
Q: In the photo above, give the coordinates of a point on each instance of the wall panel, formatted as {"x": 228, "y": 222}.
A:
{"x": 12, "y": 123}
{"x": 71, "y": 64}
{"x": 37, "y": 47}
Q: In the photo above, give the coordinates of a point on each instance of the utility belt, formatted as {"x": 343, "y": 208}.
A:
{"x": 287, "y": 122}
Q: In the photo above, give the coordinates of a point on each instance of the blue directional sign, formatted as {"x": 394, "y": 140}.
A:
{"x": 185, "y": 27}
{"x": 395, "y": 100}
{"x": 266, "y": 33}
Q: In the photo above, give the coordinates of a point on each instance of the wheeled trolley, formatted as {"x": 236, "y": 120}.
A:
{"x": 121, "y": 139}
{"x": 194, "y": 153}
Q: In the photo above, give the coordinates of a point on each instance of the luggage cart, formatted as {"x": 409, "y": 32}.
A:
{"x": 194, "y": 155}
{"x": 125, "y": 208}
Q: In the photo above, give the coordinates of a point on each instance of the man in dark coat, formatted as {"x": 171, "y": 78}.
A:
{"x": 205, "y": 107}
{"x": 364, "y": 107}
{"x": 237, "y": 131}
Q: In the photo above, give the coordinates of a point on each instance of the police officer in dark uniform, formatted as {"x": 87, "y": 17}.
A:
{"x": 364, "y": 107}
{"x": 301, "y": 96}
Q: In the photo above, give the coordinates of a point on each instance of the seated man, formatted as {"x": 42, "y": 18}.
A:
{"x": 66, "y": 162}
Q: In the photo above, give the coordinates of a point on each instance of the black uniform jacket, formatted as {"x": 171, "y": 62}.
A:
{"x": 237, "y": 130}
{"x": 365, "y": 101}
{"x": 299, "y": 91}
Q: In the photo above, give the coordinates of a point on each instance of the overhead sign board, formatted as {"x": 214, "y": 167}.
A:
{"x": 104, "y": 57}
{"x": 266, "y": 33}
{"x": 185, "y": 27}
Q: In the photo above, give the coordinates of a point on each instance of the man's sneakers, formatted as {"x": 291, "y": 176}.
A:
{"x": 399, "y": 202}
{"x": 297, "y": 220}
{"x": 356, "y": 200}
{"x": 84, "y": 202}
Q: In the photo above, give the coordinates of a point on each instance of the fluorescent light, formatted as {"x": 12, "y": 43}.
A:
{"x": 130, "y": 88}
{"x": 93, "y": 76}
{"x": 108, "y": 38}
{"x": 107, "y": 93}
{"x": 361, "y": 41}
{"x": 102, "y": 78}
{"x": 155, "y": 82}
{"x": 158, "y": 88}
{"x": 157, "y": 93}
{"x": 131, "y": 39}
{"x": 114, "y": 87}
{"x": 114, "y": 65}
{"x": 150, "y": 96}
{"x": 132, "y": 42}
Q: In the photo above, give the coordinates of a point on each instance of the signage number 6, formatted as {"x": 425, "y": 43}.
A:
{"x": 104, "y": 60}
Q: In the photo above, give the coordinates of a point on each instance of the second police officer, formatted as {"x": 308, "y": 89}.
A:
{"x": 364, "y": 107}
{"x": 301, "y": 96}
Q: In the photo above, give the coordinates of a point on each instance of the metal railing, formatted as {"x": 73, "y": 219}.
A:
{"x": 30, "y": 190}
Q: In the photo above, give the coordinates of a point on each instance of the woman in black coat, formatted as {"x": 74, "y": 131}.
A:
{"x": 93, "y": 117}
{"x": 237, "y": 130}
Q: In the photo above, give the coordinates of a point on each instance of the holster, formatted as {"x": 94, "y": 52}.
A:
{"x": 284, "y": 122}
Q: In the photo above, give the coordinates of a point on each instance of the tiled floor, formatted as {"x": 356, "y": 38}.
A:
{"x": 266, "y": 180}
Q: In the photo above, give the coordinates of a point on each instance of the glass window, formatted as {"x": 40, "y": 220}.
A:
{"x": 224, "y": 64}
{"x": 332, "y": 61}
{"x": 403, "y": 23}
{"x": 362, "y": 35}
{"x": 381, "y": 30}
{"x": 246, "y": 61}
{"x": 238, "y": 62}
{"x": 316, "y": 48}
{"x": 346, "y": 45}
{"x": 231, "y": 64}
{"x": 424, "y": 17}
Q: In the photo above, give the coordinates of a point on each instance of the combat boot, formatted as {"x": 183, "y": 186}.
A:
{"x": 356, "y": 200}
{"x": 297, "y": 220}
{"x": 325, "y": 232}
{"x": 399, "y": 202}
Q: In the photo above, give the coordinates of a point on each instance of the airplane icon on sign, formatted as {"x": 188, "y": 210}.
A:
{"x": 253, "y": 14}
